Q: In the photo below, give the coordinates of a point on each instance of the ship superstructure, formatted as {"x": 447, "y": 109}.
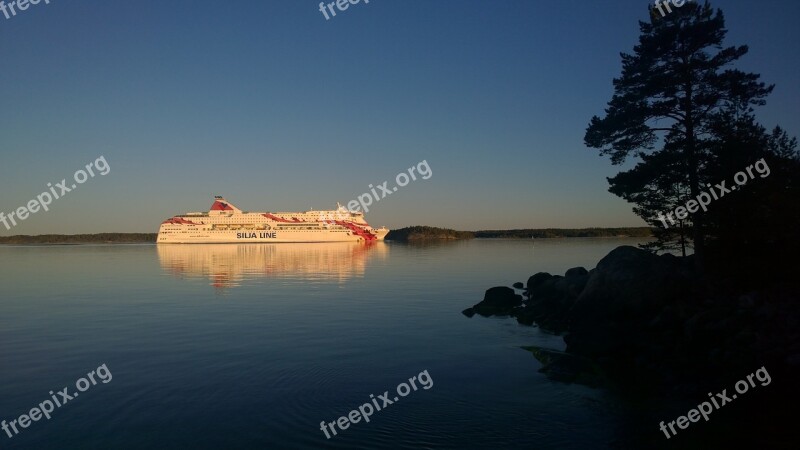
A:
{"x": 225, "y": 223}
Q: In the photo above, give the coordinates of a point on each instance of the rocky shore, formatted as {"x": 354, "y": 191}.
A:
{"x": 653, "y": 322}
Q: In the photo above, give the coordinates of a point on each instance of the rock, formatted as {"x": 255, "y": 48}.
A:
{"x": 653, "y": 322}
{"x": 706, "y": 324}
{"x": 793, "y": 360}
{"x": 518, "y": 285}
{"x": 667, "y": 319}
{"x": 552, "y": 298}
{"x": 501, "y": 296}
{"x": 499, "y": 300}
{"x": 766, "y": 311}
{"x": 629, "y": 287}
{"x": 747, "y": 301}
{"x": 469, "y": 312}
{"x": 576, "y": 272}
{"x": 742, "y": 339}
{"x": 537, "y": 279}
{"x": 525, "y": 317}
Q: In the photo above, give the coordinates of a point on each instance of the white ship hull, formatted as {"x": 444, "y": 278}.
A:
{"x": 225, "y": 223}
{"x": 228, "y": 237}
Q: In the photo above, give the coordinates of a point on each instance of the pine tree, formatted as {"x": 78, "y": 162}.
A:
{"x": 672, "y": 90}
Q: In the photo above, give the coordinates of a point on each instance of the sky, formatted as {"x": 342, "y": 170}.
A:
{"x": 278, "y": 109}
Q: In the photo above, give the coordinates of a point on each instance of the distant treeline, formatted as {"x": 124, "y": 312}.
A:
{"x": 117, "y": 238}
{"x": 421, "y": 233}
{"x": 542, "y": 233}
{"x": 416, "y": 233}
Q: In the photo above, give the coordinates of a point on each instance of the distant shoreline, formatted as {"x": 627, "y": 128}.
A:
{"x": 423, "y": 233}
{"x": 68, "y": 239}
{"x": 408, "y": 234}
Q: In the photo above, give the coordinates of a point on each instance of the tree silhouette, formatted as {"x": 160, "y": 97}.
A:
{"x": 672, "y": 91}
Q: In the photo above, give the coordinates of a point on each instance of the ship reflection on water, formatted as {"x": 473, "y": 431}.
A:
{"x": 231, "y": 265}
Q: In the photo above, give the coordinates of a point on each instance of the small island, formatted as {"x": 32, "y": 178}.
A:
{"x": 423, "y": 233}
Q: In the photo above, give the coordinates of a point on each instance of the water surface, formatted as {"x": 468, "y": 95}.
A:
{"x": 253, "y": 345}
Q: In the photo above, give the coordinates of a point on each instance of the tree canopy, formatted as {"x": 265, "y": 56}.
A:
{"x": 687, "y": 115}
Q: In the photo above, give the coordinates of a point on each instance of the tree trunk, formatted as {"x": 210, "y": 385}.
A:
{"x": 698, "y": 237}
{"x": 683, "y": 241}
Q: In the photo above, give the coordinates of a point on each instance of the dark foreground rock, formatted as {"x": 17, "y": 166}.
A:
{"x": 551, "y": 297}
{"x": 497, "y": 301}
{"x": 653, "y": 321}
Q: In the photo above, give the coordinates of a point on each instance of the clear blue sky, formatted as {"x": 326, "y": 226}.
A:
{"x": 272, "y": 106}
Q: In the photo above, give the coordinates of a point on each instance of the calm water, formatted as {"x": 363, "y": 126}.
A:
{"x": 252, "y": 346}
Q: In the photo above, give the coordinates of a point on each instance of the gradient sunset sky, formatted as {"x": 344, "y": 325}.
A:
{"x": 278, "y": 109}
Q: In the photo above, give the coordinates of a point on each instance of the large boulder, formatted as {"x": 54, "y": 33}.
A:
{"x": 551, "y": 297}
{"x": 627, "y": 290}
{"x": 497, "y": 301}
{"x": 576, "y": 272}
{"x": 648, "y": 321}
{"x": 539, "y": 278}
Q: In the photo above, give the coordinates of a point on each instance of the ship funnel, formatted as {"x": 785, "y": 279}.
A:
{"x": 222, "y": 205}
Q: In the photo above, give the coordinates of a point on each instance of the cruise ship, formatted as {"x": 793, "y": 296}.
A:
{"x": 225, "y": 223}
